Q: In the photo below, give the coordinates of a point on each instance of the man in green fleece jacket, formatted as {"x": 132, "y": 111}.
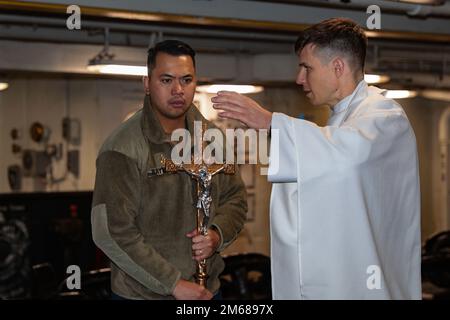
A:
{"x": 146, "y": 223}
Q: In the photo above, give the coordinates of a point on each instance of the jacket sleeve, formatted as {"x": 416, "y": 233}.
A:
{"x": 231, "y": 212}
{"x": 116, "y": 202}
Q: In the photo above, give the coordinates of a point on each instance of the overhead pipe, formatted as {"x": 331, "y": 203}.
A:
{"x": 89, "y": 24}
{"x": 431, "y": 81}
{"x": 442, "y": 9}
{"x": 414, "y": 10}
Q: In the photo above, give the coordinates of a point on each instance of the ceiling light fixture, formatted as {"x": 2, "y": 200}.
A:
{"x": 426, "y": 2}
{"x": 117, "y": 67}
{"x": 3, "y": 85}
{"x": 443, "y": 95}
{"x": 104, "y": 63}
{"x": 243, "y": 89}
{"x": 376, "y": 78}
{"x": 400, "y": 94}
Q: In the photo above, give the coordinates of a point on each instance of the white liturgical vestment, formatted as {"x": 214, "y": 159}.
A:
{"x": 345, "y": 204}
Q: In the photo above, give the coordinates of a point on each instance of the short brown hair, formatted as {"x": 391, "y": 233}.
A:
{"x": 337, "y": 35}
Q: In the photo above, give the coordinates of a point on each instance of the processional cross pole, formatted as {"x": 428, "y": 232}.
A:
{"x": 202, "y": 173}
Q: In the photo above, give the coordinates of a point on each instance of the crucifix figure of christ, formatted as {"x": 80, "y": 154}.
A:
{"x": 202, "y": 173}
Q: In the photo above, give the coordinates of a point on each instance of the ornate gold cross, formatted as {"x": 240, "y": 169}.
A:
{"x": 202, "y": 173}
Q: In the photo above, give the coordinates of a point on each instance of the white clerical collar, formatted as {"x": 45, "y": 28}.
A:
{"x": 343, "y": 104}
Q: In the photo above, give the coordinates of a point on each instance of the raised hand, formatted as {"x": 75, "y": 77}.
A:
{"x": 239, "y": 107}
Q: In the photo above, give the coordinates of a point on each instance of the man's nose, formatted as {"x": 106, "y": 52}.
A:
{"x": 177, "y": 88}
{"x": 300, "y": 78}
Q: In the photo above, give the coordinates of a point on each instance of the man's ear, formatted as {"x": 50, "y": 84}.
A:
{"x": 145, "y": 82}
{"x": 338, "y": 66}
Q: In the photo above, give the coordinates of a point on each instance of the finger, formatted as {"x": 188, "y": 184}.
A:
{"x": 239, "y": 111}
{"x": 197, "y": 239}
{"x": 227, "y": 105}
{"x": 199, "y": 255}
{"x": 203, "y": 245}
{"x": 231, "y": 97}
{"x": 191, "y": 234}
{"x": 227, "y": 93}
{"x": 206, "y": 295}
{"x": 222, "y": 99}
{"x": 233, "y": 115}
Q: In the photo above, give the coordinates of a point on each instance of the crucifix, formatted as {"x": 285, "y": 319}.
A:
{"x": 202, "y": 173}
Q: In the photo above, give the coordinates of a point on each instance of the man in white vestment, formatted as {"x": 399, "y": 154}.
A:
{"x": 345, "y": 204}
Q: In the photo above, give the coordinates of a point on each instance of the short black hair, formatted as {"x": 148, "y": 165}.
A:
{"x": 337, "y": 35}
{"x": 173, "y": 47}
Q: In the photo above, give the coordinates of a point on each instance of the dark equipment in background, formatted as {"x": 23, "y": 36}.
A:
{"x": 71, "y": 130}
{"x": 73, "y": 162}
{"x": 15, "y": 134}
{"x": 40, "y": 163}
{"x": 96, "y": 285}
{"x": 39, "y": 133}
{"x": 47, "y": 232}
{"x": 15, "y": 267}
{"x": 246, "y": 277}
{"x": 15, "y": 177}
{"x": 55, "y": 232}
{"x": 35, "y": 163}
{"x": 436, "y": 264}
